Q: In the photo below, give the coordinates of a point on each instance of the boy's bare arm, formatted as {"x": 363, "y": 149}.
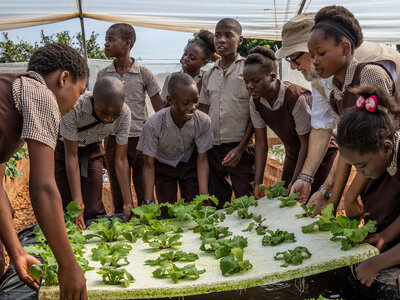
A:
{"x": 156, "y": 102}
{"x": 46, "y": 203}
{"x": 148, "y": 177}
{"x": 353, "y": 208}
{"x": 74, "y": 177}
{"x": 260, "y": 160}
{"x": 122, "y": 172}
{"x": 202, "y": 172}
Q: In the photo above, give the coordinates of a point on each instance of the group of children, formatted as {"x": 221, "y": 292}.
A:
{"x": 200, "y": 137}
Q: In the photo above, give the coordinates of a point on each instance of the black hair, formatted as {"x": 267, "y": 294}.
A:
{"x": 229, "y": 22}
{"x": 178, "y": 80}
{"x": 109, "y": 90}
{"x": 58, "y": 56}
{"x": 338, "y": 22}
{"x": 205, "y": 40}
{"x": 364, "y": 131}
{"x": 126, "y": 31}
{"x": 264, "y": 56}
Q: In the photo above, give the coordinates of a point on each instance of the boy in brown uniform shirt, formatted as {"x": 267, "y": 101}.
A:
{"x": 225, "y": 98}
{"x": 137, "y": 80}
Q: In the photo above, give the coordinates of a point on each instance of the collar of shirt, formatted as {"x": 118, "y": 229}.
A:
{"x": 170, "y": 121}
{"x": 238, "y": 58}
{"x": 37, "y": 76}
{"x": 134, "y": 68}
{"x": 279, "y": 100}
{"x": 337, "y": 86}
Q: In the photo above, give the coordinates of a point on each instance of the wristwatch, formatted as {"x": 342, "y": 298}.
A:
{"x": 306, "y": 178}
{"x": 147, "y": 202}
{"x": 327, "y": 194}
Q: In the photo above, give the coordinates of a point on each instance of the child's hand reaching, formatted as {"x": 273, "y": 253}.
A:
{"x": 377, "y": 240}
{"x": 233, "y": 157}
{"x": 80, "y": 222}
{"x": 354, "y": 208}
{"x": 257, "y": 192}
{"x": 367, "y": 271}
{"x": 23, "y": 265}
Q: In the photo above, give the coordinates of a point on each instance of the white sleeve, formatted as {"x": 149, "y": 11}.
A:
{"x": 321, "y": 112}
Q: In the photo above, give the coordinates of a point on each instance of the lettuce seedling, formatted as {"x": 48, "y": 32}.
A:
{"x": 234, "y": 262}
{"x": 277, "y": 237}
{"x": 172, "y": 256}
{"x": 275, "y": 190}
{"x": 106, "y": 229}
{"x": 165, "y": 241}
{"x": 323, "y": 222}
{"x": 114, "y": 276}
{"x": 147, "y": 212}
{"x": 293, "y": 257}
{"x": 175, "y": 273}
{"x": 307, "y": 211}
{"x": 289, "y": 201}
{"x": 111, "y": 254}
{"x": 222, "y": 248}
{"x": 242, "y": 205}
{"x": 158, "y": 227}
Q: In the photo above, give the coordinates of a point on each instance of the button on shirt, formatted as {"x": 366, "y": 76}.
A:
{"x": 228, "y": 98}
{"x": 164, "y": 92}
{"x": 300, "y": 115}
{"x": 137, "y": 82}
{"x": 81, "y": 116}
{"x": 163, "y": 140}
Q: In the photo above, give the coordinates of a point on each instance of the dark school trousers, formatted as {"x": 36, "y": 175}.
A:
{"x": 241, "y": 177}
{"x": 135, "y": 160}
{"x": 167, "y": 179}
{"x": 324, "y": 168}
{"x": 91, "y": 186}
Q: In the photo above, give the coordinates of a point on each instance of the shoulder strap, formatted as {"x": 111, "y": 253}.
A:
{"x": 91, "y": 125}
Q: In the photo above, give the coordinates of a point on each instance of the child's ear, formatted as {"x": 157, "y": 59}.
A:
{"x": 346, "y": 45}
{"x": 240, "y": 40}
{"x": 63, "y": 78}
{"x": 387, "y": 146}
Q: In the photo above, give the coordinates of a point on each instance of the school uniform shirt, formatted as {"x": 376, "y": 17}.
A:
{"x": 82, "y": 115}
{"x": 228, "y": 98}
{"x": 164, "y": 92}
{"x": 137, "y": 82}
{"x": 163, "y": 140}
{"x": 300, "y": 115}
{"x": 38, "y": 107}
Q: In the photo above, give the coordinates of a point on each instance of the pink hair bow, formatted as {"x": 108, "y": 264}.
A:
{"x": 370, "y": 103}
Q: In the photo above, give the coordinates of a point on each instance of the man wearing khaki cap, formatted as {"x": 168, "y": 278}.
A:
{"x": 295, "y": 51}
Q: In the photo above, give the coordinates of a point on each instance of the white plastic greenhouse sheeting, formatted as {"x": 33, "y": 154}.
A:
{"x": 380, "y": 19}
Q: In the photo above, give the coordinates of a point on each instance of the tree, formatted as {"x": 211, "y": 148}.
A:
{"x": 247, "y": 44}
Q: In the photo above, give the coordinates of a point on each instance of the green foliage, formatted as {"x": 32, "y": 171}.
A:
{"x": 277, "y": 237}
{"x": 172, "y": 256}
{"x": 107, "y": 230}
{"x": 234, "y": 262}
{"x": 288, "y": 201}
{"x": 158, "y": 227}
{"x": 222, "y": 248}
{"x": 147, "y": 212}
{"x": 293, "y": 257}
{"x": 114, "y": 276}
{"x": 247, "y": 44}
{"x": 241, "y": 205}
{"x": 111, "y": 254}
{"x": 165, "y": 241}
{"x": 11, "y": 165}
{"x": 175, "y": 273}
{"x": 275, "y": 190}
{"x": 307, "y": 211}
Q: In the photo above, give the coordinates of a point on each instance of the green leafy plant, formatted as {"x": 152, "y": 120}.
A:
{"x": 293, "y": 257}
{"x": 175, "y": 273}
{"x": 260, "y": 229}
{"x": 172, "y": 256}
{"x": 111, "y": 254}
{"x": 323, "y": 223}
{"x": 222, "y": 248}
{"x": 241, "y": 205}
{"x": 147, "y": 212}
{"x": 275, "y": 190}
{"x": 165, "y": 241}
{"x": 107, "y": 230}
{"x": 114, "y": 276}
{"x": 307, "y": 211}
{"x": 158, "y": 227}
{"x": 289, "y": 201}
{"x": 11, "y": 165}
{"x": 234, "y": 262}
{"x": 276, "y": 237}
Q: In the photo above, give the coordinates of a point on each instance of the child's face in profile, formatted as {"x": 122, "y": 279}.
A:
{"x": 257, "y": 82}
{"x": 328, "y": 57}
{"x": 193, "y": 59}
{"x": 371, "y": 164}
{"x": 183, "y": 103}
{"x": 68, "y": 94}
{"x": 226, "y": 40}
{"x": 114, "y": 44}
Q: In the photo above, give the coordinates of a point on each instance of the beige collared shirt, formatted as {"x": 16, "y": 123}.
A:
{"x": 163, "y": 140}
{"x": 164, "y": 92}
{"x": 300, "y": 115}
{"x": 228, "y": 98}
{"x": 82, "y": 116}
{"x": 137, "y": 82}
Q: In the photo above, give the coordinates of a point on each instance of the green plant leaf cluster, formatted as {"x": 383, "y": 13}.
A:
{"x": 307, "y": 211}
{"x": 165, "y": 241}
{"x": 275, "y": 190}
{"x": 172, "y": 271}
{"x": 105, "y": 229}
{"x": 111, "y": 254}
{"x": 147, "y": 212}
{"x": 289, "y": 201}
{"x": 241, "y": 205}
{"x": 172, "y": 256}
{"x": 293, "y": 257}
{"x": 234, "y": 263}
{"x": 276, "y": 237}
{"x": 11, "y": 165}
{"x": 115, "y": 276}
{"x": 222, "y": 248}
{"x": 158, "y": 227}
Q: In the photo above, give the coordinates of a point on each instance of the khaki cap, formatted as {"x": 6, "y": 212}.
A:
{"x": 295, "y": 34}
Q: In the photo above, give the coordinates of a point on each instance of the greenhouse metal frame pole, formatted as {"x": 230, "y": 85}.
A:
{"x": 83, "y": 30}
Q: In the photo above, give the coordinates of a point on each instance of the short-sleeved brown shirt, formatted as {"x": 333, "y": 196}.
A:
{"x": 228, "y": 98}
{"x": 137, "y": 82}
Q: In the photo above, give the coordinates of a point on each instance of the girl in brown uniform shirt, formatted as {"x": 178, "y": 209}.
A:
{"x": 30, "y": 107}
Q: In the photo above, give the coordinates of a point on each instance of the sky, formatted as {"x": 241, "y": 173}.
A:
{"x": 150, "y": 43}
